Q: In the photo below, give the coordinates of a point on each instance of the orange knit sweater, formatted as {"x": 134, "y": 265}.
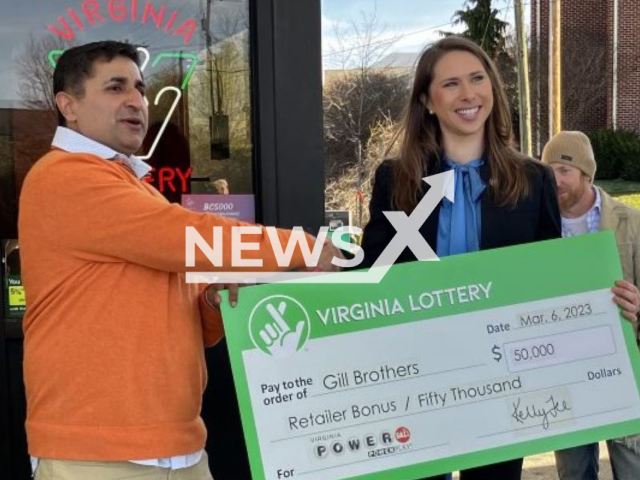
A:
{"x": 113, "y": 352}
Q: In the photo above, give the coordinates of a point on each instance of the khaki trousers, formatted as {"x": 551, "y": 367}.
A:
{"x": 49, "y": 469}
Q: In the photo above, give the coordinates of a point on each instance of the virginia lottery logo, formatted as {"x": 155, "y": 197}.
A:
{"x": 279, "y": 325}
{"x": 375, "y": 445}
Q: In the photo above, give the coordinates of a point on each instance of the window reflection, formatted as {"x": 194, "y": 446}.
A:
{"x": 197, "y": 68}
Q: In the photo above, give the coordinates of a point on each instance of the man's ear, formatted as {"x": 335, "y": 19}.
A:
{"x": 66, "y": 105}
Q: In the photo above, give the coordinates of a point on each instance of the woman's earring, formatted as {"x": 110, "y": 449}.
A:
{"x": 430, "y": 112}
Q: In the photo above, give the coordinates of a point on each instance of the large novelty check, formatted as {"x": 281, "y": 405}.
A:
{"x": 444, "y": 365}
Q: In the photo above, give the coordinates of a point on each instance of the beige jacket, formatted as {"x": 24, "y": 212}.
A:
{"x": 625, "y": 222}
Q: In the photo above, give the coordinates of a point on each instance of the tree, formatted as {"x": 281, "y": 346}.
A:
{"x": 482, "y": 26}
{"x": 508, "y": 68}
{"x": 352, "y": 107}
{"x": 36, "y": 72}
{"x": 358, "y": 44}
{"x": 352, "y": 188}
{"x": 358, "y": 95}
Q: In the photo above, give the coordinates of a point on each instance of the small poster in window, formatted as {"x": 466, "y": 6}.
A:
{"x": 238, "y": 207}
{"x": 14, "y": 296}
{"x": 16, "y": 301}
{"x": 337, "y": 218}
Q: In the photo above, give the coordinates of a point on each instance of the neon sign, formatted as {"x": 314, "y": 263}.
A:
{"x": 119, "y": 11}
{"x": 178, "y": 92}
{"x": 166, "y": 177}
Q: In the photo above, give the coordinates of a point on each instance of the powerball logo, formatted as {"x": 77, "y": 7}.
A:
{"x": 375, "y": 445}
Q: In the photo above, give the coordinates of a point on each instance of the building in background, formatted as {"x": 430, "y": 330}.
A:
{"x": 600, "y": 83}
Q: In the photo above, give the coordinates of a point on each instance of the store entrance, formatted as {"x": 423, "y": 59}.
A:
{"x": 234, "y": 125}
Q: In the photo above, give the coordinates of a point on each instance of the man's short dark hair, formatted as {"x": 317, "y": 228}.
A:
{"x": 76, "y": 65}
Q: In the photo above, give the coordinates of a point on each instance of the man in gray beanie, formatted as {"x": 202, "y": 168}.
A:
{"x": 586, "y": 208}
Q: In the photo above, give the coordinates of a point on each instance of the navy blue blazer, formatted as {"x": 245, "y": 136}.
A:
{"x": 534, "y": 217}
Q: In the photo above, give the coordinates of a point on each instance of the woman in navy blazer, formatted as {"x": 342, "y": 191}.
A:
{"x": 458, "y": 118}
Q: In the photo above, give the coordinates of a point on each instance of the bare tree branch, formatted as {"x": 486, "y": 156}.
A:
{"x": 358, "y": 98}
{"x": 36, "y": 73}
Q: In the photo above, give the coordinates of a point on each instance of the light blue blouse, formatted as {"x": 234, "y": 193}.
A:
{"x": 459, "y": 223}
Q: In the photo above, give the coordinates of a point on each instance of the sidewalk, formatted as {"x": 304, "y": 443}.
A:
{"x": 543, "y": 467}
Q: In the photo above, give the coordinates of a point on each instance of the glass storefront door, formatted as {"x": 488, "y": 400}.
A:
{"x": 195, "y": 62}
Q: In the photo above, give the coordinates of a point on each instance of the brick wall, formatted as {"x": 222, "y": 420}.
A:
{"x": 585, "y": 51}
{"x": 629, "y": 65}
{"x": 587, "y": 63}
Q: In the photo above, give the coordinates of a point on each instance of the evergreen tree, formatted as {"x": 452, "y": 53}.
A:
{"x": 482, "y": 26}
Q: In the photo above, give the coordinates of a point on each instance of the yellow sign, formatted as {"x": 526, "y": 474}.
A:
{"x": 17, "y": 297}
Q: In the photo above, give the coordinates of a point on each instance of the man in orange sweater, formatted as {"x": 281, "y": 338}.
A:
{"x": 114, "y": 337}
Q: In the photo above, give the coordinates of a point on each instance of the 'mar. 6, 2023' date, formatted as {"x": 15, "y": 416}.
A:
{"x": 559, "y": 314}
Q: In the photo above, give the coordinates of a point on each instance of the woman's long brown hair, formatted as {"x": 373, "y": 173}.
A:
{"x": 421, "y": 146}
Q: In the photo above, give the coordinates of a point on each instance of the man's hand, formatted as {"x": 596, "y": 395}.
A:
{"x": 627, "y": 297}
{"x": 214, "y": 299}
{"x": 329, "y": 250}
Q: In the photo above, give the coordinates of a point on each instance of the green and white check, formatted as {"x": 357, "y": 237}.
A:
{"x": 471, "y": 360}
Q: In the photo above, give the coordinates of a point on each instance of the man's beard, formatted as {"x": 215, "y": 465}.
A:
{"x": 571, "y": 197}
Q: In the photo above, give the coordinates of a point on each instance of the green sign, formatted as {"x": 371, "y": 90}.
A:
{"x": 442, "y": 366}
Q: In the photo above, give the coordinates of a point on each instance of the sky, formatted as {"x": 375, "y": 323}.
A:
{"x": 414, "y": 22}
